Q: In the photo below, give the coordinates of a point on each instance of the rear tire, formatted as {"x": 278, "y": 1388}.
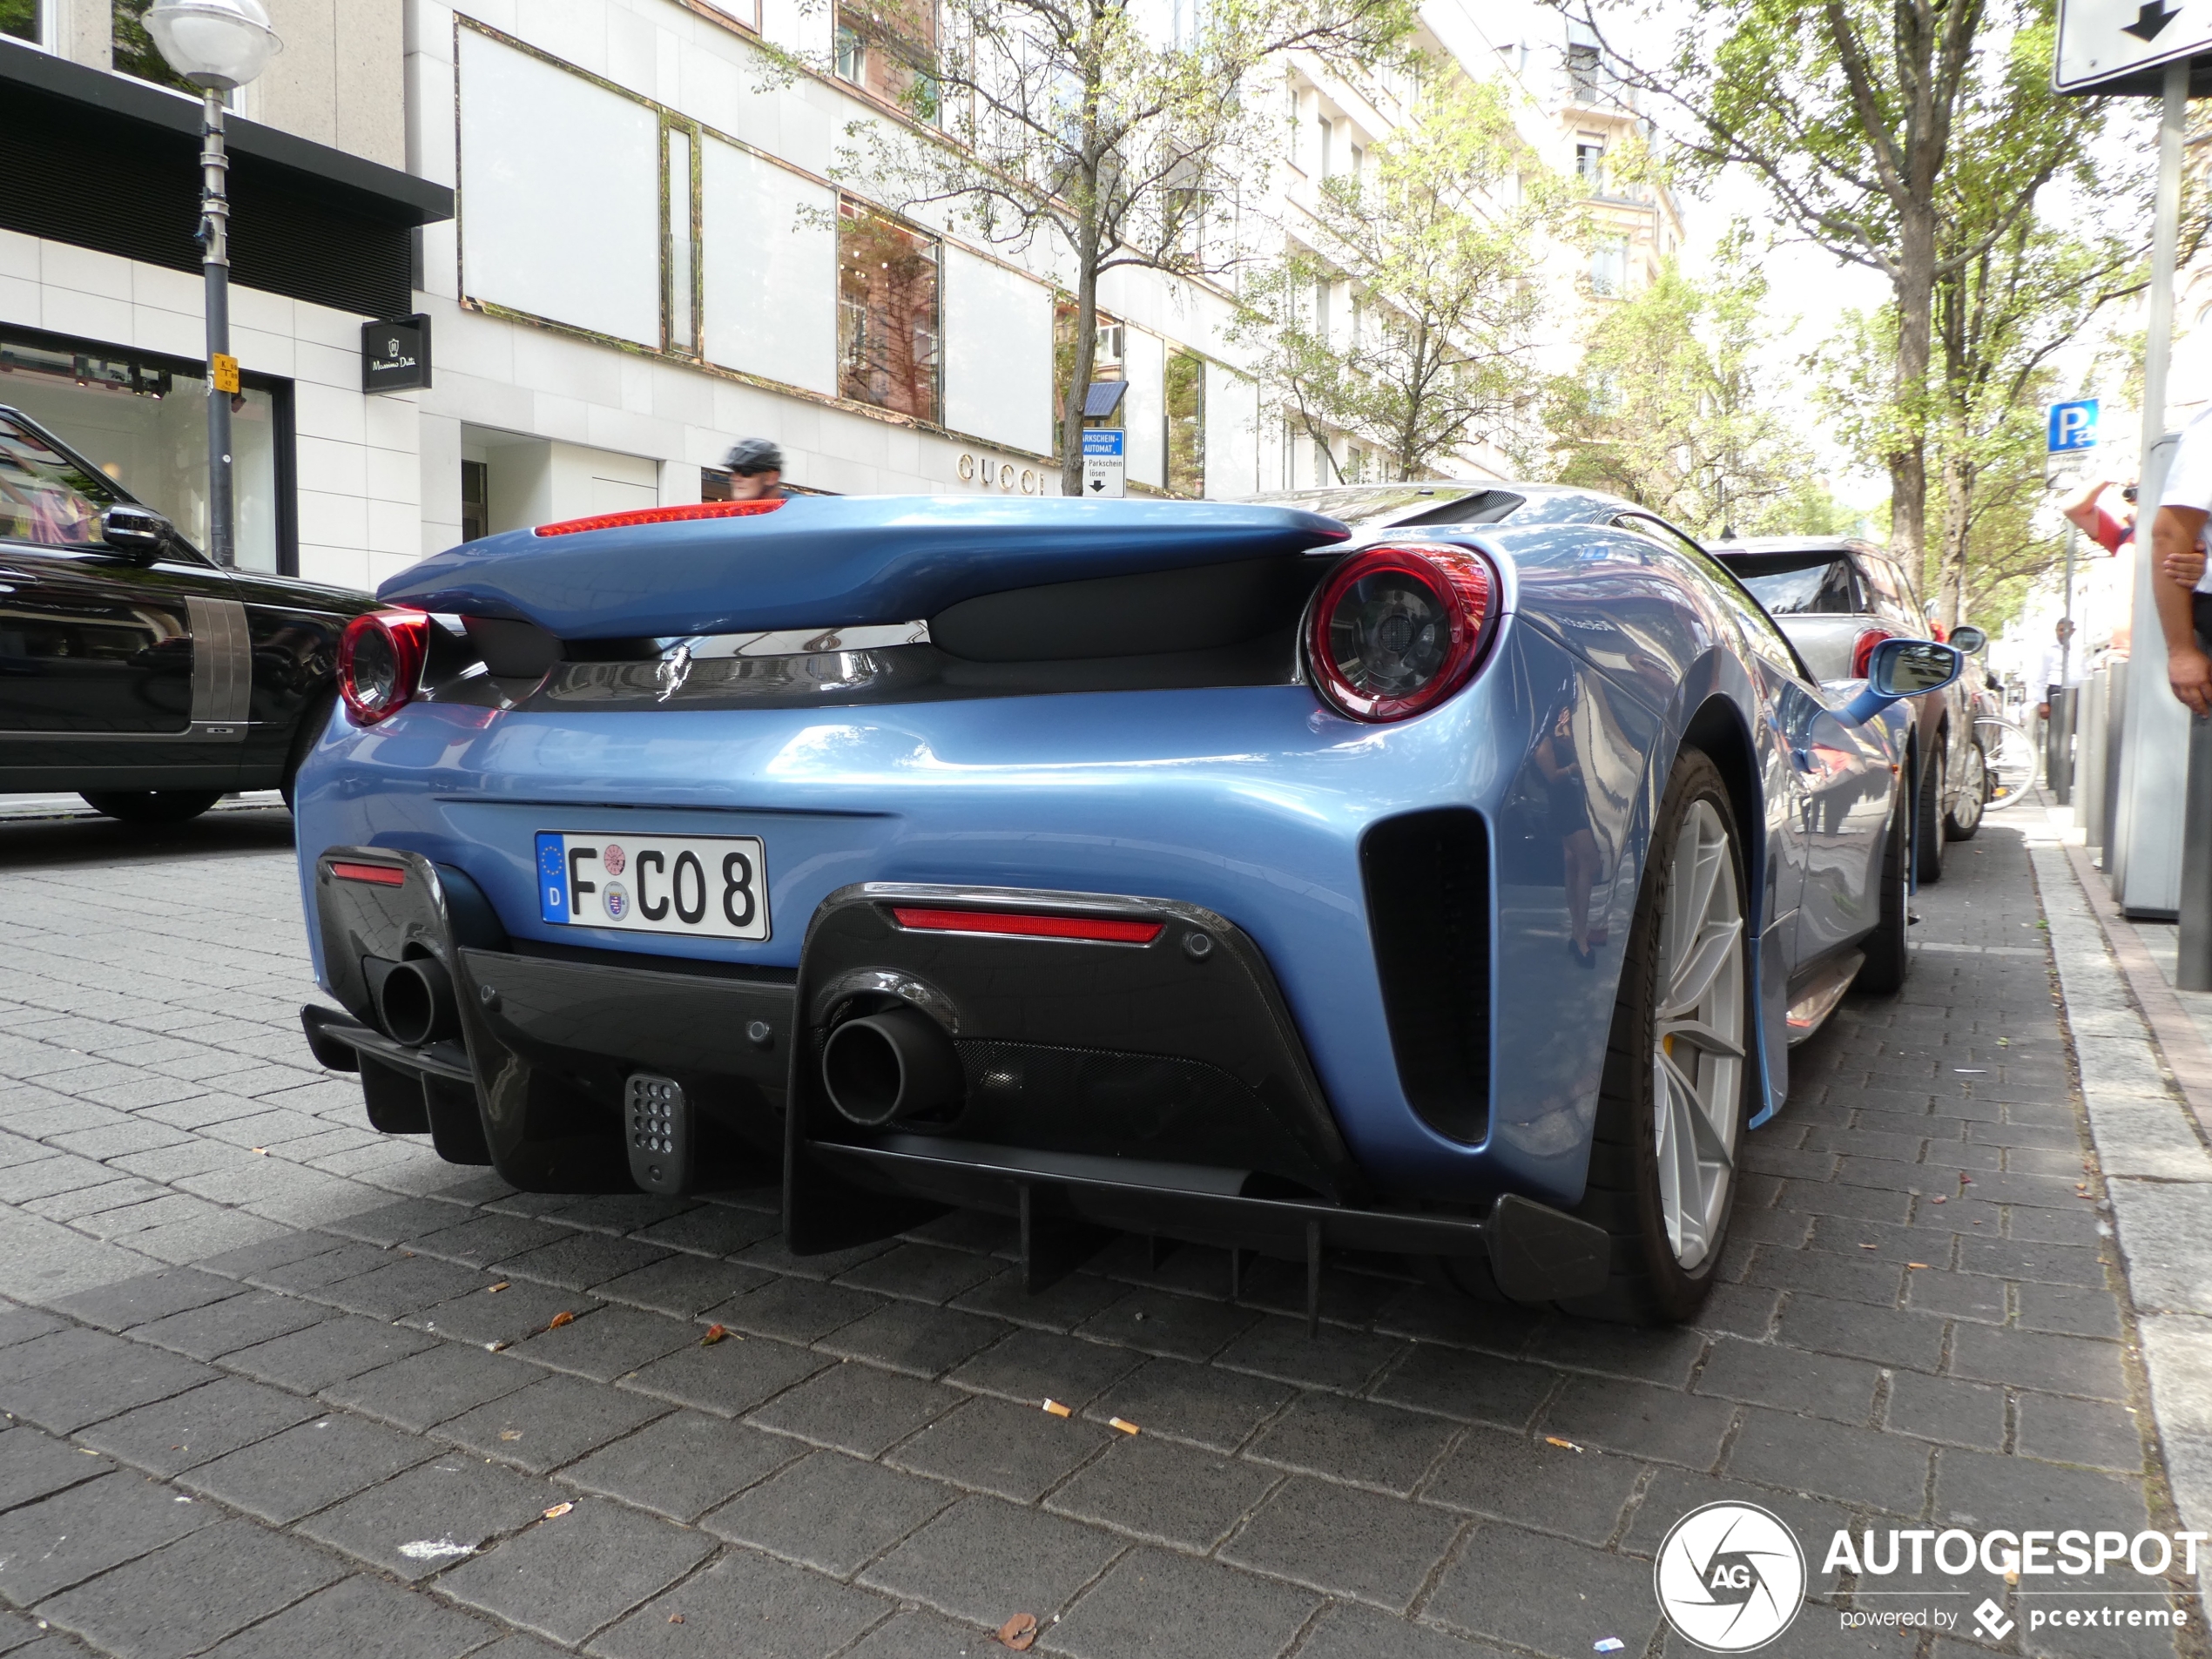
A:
{"x": 1960, "y": 822}
{"x": 1680, "y": 1063}
{"x": 1888, "y": 957}
{"x": 1927, "y": 829}
{"x": 150, "y": 806}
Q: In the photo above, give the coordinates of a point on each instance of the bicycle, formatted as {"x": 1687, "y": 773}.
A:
{"x": 2008, "y": 762}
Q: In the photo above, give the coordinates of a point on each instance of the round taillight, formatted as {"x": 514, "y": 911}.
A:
{"x": 380, "y": 662}
{"x": 1864, "y": 646}
{"x": 1395, "y": 630}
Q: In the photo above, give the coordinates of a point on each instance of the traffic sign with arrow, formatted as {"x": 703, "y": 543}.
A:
{"x": 2122, "y": 46}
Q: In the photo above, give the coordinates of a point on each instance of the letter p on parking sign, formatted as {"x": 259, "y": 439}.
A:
{"x": 2073, "y": 426}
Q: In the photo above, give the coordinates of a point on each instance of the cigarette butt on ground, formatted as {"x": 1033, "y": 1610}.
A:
{"x": 1122, "y": 1424}
{"x": 1554, "y": 1440}
{"x": 1056, "y": 1409}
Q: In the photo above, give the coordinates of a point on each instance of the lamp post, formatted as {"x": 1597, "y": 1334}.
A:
{"x": 215, "y": 44}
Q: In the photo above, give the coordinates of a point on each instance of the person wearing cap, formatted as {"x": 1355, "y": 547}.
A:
{"x": 756, "y": 468}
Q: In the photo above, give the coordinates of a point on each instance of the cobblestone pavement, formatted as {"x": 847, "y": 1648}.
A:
{"x": 278, "y": 1386}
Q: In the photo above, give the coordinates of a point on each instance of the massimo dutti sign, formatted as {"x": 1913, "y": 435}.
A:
{"x": 395, "y": 355}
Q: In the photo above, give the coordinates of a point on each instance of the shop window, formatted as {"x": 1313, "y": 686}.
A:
{"x": 886, "y": 314}
{"x": 1186, "y": 401}
{"x": 135, "y": 52}
{"x": 888, "y": 50}
{"x": 20, "y": 18}
{"x": 144, "y": 423}
{"x": 475, "y": 500}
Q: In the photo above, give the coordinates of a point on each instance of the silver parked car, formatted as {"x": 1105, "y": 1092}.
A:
{"x": 1836, "y": 598}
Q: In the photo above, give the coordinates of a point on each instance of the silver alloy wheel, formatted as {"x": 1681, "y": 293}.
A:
{"x": 1697, "y": 1050}
{"x": 1974, "y": 789}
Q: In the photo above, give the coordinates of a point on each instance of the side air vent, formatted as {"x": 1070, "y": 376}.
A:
{"x": 1427, "y": 880}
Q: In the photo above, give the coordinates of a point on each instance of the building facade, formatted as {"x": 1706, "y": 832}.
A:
{"x": 624, "y": 223}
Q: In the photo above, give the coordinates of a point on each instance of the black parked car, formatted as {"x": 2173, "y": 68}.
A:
{"x": 134, "y": 670}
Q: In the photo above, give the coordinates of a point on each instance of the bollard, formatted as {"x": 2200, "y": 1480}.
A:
{"x": 2058, "y": 766}
{"x": 2193, "y": 963}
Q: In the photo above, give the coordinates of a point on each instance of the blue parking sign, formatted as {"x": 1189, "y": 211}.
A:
{"x": 2074, "y": 426}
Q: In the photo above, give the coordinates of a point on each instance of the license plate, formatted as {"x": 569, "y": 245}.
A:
{"x": 712, "y": 887}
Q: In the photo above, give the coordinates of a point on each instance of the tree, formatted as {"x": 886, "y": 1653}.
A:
{"x": 1666, "y": 408}
{"x": 1074, "y": 124}
{"x": 1438, "y": 241}
{"x": 2013, "y": 289}
{"x": 1864, "y": 118}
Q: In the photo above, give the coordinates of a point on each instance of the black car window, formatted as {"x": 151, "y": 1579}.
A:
{"x": 1758, "y": 627}
{"x": 1799, "y": 585}
{"x": 46, "y": 497}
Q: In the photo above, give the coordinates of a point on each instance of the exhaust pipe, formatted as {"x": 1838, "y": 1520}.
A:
{"x": 416, "y": 1002}
{"x": 888, "y": 1067}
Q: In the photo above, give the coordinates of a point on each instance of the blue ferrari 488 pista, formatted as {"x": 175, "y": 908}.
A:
{"x": 1439, "y": 870}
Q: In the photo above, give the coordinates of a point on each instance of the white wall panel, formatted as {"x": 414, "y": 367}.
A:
{"x": 998, "y": 354}
{"x": 1232, "y": 433}
{"x": 560, "y": 194}
{"x": 771, "y": 277}
{"x": 1144, "y": 406}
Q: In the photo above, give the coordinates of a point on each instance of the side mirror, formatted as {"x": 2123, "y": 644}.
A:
{"x": 1902, "y": 668}
{"x": 1969, "y": 639}
{"x": 136, "y": 532}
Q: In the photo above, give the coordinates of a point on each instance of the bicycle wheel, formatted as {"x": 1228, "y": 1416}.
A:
{"x": 2008, "y": 762}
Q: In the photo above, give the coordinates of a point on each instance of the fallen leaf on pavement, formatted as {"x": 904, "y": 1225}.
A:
{"x": 558, "y": 1510}
{"x": 1019, "y": 1631}
{"x": 676, "y": 1618}
{"x": 510, "y": 1435}
{"x": 559, "y": 1319}
{"x": 714, "y": 1334}
{"x": 1055, "y": 1408}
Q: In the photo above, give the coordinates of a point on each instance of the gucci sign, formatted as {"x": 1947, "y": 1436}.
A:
{"x": 1002, "y": 476}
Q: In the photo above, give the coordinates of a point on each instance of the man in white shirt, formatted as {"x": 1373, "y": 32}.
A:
{"x": 2179, "y": 581}
{"x": 2053, "y": 668}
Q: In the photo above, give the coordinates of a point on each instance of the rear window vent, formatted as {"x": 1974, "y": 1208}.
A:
{"x": 1427, "y": 880}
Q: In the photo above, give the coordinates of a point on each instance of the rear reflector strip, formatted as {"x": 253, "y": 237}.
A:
{"x": 382, "y": 875}
{"x": 659, "y": 516}
{"x": 1103, "y": 929}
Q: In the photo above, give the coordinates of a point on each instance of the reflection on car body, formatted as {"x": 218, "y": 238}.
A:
{"x": 1452, "y": 885}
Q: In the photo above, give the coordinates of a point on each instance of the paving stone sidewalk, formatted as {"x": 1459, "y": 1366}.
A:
{"x": 274, "y": 1385}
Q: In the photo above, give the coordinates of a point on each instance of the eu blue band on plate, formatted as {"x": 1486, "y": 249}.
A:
{"x": 552, "y": 877}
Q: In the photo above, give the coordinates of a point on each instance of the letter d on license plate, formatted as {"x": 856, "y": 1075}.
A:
{"x": 711, "y": 886}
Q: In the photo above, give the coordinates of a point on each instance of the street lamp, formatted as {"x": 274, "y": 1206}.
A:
{"x": 215, "y": 44}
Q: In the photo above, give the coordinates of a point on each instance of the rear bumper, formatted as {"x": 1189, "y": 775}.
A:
{"x": 1214, "y": 1131}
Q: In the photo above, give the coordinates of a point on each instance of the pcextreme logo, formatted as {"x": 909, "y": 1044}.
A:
{"x": 1729, "y": 1577}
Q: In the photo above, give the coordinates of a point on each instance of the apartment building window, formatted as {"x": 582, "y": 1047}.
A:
{"x": 886, "y": 314}
{"x": 20, "y": 19}
{"x": 1590, "y": 162}
{"x": 888, "y": 50}
{"x": 1186, "y": 404}
{"x": 1610, "y": 268}
{"x": 1585, "y": 66}
{"x": 1324, "y": 142}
